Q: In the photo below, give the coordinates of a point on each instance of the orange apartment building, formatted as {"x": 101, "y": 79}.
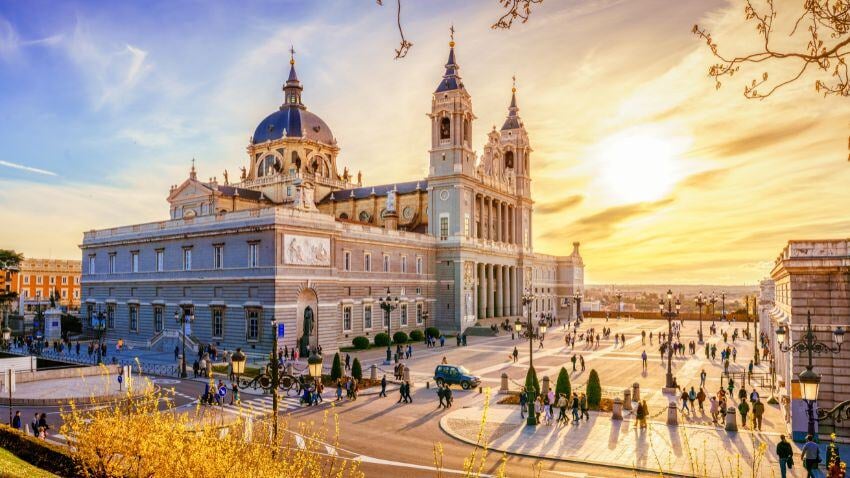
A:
{"x": 38, "y": 278}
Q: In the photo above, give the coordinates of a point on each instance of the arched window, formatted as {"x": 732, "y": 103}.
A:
{"x": 267, "y": 166}
{"x": 364, "y": 216}
{"x": 467, "y": 131}
{"x": 445, "y": 128}
{"x": 509, "y": 159}
{"x": 343, "y": 216}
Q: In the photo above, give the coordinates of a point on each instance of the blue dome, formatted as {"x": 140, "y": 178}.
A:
{"x": 296, "y": 122}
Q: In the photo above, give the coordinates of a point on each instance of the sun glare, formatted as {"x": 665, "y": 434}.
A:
{"x": 638, "y": 165}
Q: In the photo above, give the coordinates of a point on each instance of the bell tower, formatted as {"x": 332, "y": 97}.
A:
{"x": 451, "y": 123}
{"x": 517, "y": 151}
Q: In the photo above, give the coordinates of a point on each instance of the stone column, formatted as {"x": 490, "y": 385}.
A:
{"x": 509, "y": 305}
{"x": 490, "y": 301}
{"x": 490, "y": 219}
{"x": 511, "y": 224}
{"x": 544, "y": 386}
{"x": 517, "y": 304}
{"x": 499, "y": 236}
{"x": 482, "y": 291}
{"x": 497, "y": 276}
{"x": 505, "y": 223}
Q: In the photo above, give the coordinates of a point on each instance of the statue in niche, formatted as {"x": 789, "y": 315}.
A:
{"x": 308, "y": 323}
{"x": 244, "y": 172}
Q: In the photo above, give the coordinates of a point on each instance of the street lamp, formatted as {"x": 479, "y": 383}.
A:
{"x": 619, "y": 304}
{"x": 809, "y": 380}
{"x": 723, "y": 306}
{"x": 314, "y": 364}
{"x": 527, "y": 299}
{"x": 238, "y": 363}
{"x": 700, "y": 303}
{"x": 183, "y": 320}
{"x": 99, "y": 325}
{"x": 712, "y": 301}
{"x": 577, "y": 297}
{"x": 756, "y": 341}
{"x": 388, "y": 305}
{"x": 671, "y": 312}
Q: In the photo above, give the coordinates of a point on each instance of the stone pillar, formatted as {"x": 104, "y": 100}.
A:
{"x": 489, "y": 219}
{"x": 488, "y": 271}
{"x": 405, "y": 374}
{"x": 627, "y": 399}
{"x": 373, "y": 372}
{"x": 506, "y": 287}
{"x": 504, "y": 386}
{"x": 482, "y": 292}
{"x": 497, "y": 285}
{"x": 636, "y": 392}
{"x": 505, "y": 237}
{"x": 731, "y": 419}
{"x": 516, "y": 301}
{"x": 617, "y": 409}
{"x": 673, "y": 414}
{"x": 498, "y": 208}
{"x": 544, "y": 385}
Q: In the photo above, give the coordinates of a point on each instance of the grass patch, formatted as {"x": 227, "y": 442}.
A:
{"x": 225, "y": 369}
{"x": 13, "y": 466}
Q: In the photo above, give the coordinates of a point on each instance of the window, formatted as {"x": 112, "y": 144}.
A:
{"x": 110, "y": 316}
{"x": 77, "y": 280}
{"x": 466, "y": 225}
{"x": 218, "y": 256}
{"x": 160, "y": 260}
{"x": 252, "y": 326}
{"x": 401, "y": 291}
{"x": 403, "y": 315}
{"x": 253, "y": 254}
{"x": 64, "y": 293}
{"x": 187, "y": 259}
{"x": 386, "y": 316}
{"x": 64, "y": 280}
{"x": 403, "y": 263}
{"x": 217, "y": 314}
{"x": 288, "y": 191}
{"x": 386, "y": 263}
{"x": 26, "y": 280}
{"x": 134, "y": 261}
{"x": 134, "y": 318}
{"x": 367, "y": 262}
{"x": 419, "y": 265}
{"x": 419, "y": 317}
{"x": 76, "y": 294}
{"x": 91, "y": 264}
{"x": 346, "y": 319}
{"x": 112, "y": 263}
{"x": 157, "y": 319}
{"x": 418, "y": 291}
{"x": 346, "y": 261}
{"x": 445, "y": 128}
{"x": 39, "y": 280}
{"x": 367, "y": 317}
{"x": 51, "y": 280}
{"x": 444, "y": 227}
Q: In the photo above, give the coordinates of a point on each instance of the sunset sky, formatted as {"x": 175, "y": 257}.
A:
{"x": 662, "y": 178}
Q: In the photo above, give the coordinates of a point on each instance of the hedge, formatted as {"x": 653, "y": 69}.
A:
{"x": 400, "y": 337}
{"x": 432, "y": 332}
{"x": 360, "y": 342}
{"x": 356, "y": 371}
{"x": 417, "y": 335}
{"x": 37, "y": 452}
{"x": 594, "y": 390}
{"x": 382, "y": 339}
{"x": 562, "y": 386}
{"x": 336, "y": 368}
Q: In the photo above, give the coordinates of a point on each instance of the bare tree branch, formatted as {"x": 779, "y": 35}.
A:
{"x": 405, "y": 45}
{"x": 516, "y": 9}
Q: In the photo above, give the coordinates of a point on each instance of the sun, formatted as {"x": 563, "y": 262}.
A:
{"x": 638, "y": 165}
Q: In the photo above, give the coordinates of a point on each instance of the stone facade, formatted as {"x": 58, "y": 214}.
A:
{"x": 810, "y": 277}
{"x": 39, "y": 278}
{"x": 297, "y": 244}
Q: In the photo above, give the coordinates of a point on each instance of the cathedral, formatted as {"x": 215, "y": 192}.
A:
{"x": 299, "y": 247}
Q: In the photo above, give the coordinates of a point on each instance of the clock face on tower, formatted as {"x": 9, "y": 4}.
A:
{"x": 407, "y": 213}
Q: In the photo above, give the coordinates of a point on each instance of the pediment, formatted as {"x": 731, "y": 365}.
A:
{"x": 190, "y": 189}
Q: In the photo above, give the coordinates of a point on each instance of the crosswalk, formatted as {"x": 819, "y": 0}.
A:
{"x": 259, "y": 406}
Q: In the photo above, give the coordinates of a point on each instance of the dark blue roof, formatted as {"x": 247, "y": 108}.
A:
{"x": 241, "y": 192}
{"x": 286, "y": 119}
{"x": 512, "y": 121}
{"x": 451, "y": 80}
{"x": 381, "y": 190}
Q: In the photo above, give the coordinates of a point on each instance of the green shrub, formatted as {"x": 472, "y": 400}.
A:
{"x": 563, "y": 384}
{"x": 356, "y": 371}
{"x": 399, "y": 337}
{"x": 594, "y": 390}
{"x": 417, "y": 335}
{"x": 432, "y": 332}
{"x": 46, "y": 456}
{"x": 336, "y": 368}
{"x": 531, "y": 382}
{"x": 382, "y": 339}
{"x": 360, "y": 343}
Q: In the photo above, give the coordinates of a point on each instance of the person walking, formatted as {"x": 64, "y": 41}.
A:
{"x": 538, "y": 408}
{"x": 744, "y": 409}
{"x": 448, "y": 395}
{"x": 758, "y": 413}
{"x": 701, "y": 399}
{"x": 684, "y": 398}
{"x": 575, "y": 406}
{"x": 401, "y": 395}
{"x": 43, "y": 426}
{"x": 234, "y": 393}
{"x": 407, "y": 397}
{"x": 810, "y": 456}
{"x": 785, "y": 453}
{"x": 573, "y": 360}
{"x": 515, "y": 354}
{"x": 730, "y": 386}
{"x": 347, "y": 362}
{"x": 640, "y": 414}
{"x": 581, "y": 359}
{"x": 643, "y": 358}
{"x": 583, "y": 404}
{"x": 702, "y": 377}
{"x": 383, "y": 386}
{"x": 562, "y": 407}
{"x": 692, "y": 396}
{"x": 16, "y": 421}
{"x": 34, "y": 425}
{"x": 750, "y": 372}
{"x": 523, "y": 402}
{"x": 713, "y": 409}
{"x": 176, "y": 351}
{"x": 440, "y": 396}
{"x": 339, "y": 390}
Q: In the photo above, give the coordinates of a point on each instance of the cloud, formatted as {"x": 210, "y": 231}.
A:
{"x": 761, "y": 138}
{"x": 603, "y": 224}
{"x": 11, "y": 43}
{"x": 559, "y": 205}
{"x": 704, "y": 178}
{"x": 27, "y": 168}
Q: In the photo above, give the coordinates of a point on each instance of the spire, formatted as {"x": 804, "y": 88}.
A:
{"x": 192, "y": 173}
{"x": 451, "y": 80}
{"x": 292, "y": 88}
{"x": 512, "y": 121}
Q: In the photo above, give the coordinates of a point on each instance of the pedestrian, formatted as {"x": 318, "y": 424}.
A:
{"x": 731, "y": 386}
{"x": 43, "y": 426}
{"x": 409, "y": 351}
{"x": 810, "y": 456}
{"x": 401, "y": 395}
{"x": 754, "y": 395}
{"x": 339, "y": 390}
{"x": 355, "y": 387}
{"x": 581, "y": 359}
{"x": 583, "y": 405}
{"x": 735, "y": 354}
{"x": 383, "y": 386}
{"x": 234, "y": 397}
{"x": 750, "y": 372}
{"x": 785, "y": 454}
{"x": 347, "y": 362}
{"x": 562, "y": 406}
{"x": 758, "y": 413}
{"x": 523, "y": 402}
{"x": 16, "y": 422}
{"x": 640, "y": 414}
{"x": 692, "y": 396}
{"x": 701, "y": 399}
{"x": 643, "y": 358}
{"x": 547, "y": 408}
{"x": 573, "y": 360}
{"x": 448, "y": 395}
{"x": 442, "y": 340}
{"x": 702, "y": 376}
{"x": 743, "y": 409}
{"x": 538, "y": 409}
{"x": 441, "y": 396}
{"x": 574, "y": 407}
{"x": 742, "y": 394}
{"x": 515, "y": 354}
{"x": 34, "y": 425}
{"x": 684, "y": 398}
{"x": 713, "y": 409}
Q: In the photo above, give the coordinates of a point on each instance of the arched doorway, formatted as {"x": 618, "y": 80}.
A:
{"x": 307, "y": 321}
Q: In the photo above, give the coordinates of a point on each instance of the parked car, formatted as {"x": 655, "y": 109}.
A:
{"x": 455, "y": 375}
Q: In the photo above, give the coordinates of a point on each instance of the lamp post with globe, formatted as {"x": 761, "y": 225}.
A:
{"x": 528, "y": 298}
{"x": 183, "y": 319}
{"x": 671, "y": 312}
{"x": 388, "y": 305}
{"x": 700, "y": 303}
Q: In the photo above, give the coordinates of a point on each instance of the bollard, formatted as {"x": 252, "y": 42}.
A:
{"x": 636, "y": 392}
{"x": 627, "y": 399}
{"x": 373, "y": 372}
{"x": 731, "y": 419}
{"x": 617, "y": 409}
{"x": 504, "y": 387}
{"x": 480, "y": 390}
{"x": 544, "y": 390}
{"x": 673, "y": 414}
{"x": 427, "y": 385}
{"x": 406, "y": 373}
